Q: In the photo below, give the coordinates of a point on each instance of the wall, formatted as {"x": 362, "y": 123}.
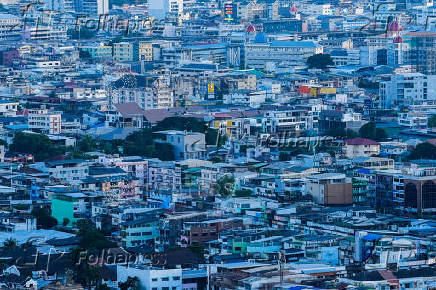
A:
{"x": 338, "y": 194}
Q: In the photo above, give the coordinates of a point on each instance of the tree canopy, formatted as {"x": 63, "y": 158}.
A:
{"x": 432, "y": 121}
{"x": 92, "y": 238}
{"x": 132, "y": 283}
{"x": 38, "y": 145}
{"x": 243, "y": 193}
{"x": 92, "y": 242}
{"x": 43, "y": 218}
{"x": 319, "y": 61}
{"x": 423, "y": 151}
{"x": 142, "y": 143}
{"x": 224, "y": 185}
{"x": 181, "y": 123}
{"x": 370, "y": 131}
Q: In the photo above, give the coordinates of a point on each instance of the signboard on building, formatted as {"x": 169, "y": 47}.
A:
{"x": 210, "y": 88}
{"x": 229, "y": 12}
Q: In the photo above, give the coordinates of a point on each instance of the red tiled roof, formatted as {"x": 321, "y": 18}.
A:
{"x": 361, "y": 141}
{"x": 222, "y": 116}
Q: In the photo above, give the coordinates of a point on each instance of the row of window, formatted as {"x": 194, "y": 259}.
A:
{"x": 166, "y": 279}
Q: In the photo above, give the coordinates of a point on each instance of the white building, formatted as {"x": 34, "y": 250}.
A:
{"x": 136, "y": 166}
{"x": 358, "y": 147}
{"x": 187, "y": 145}
{"x": 283, "y": 53}
{"x": 8, "y": 107}
{"x": 413, "y": 120}
{"x": 45, "y": 120}
{"x": 68, "y": 171}
{"x": 158, "y": 8}
{"x": 102, "y": 7}
{"x": 123, "y": 52}
{"x": 158, "y": 96}
{"x": 405, "y": 89}
{"x": 10, "y": 26}
{"x": 252, "y": 99}
{"x": 151, "y": 278}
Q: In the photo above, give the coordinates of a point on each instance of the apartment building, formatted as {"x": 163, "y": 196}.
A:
{"x": 68, "y": 171}
{"x": 330, "y": 188}
{"x": 292, "y": 53}
{"x": 125, "y": 52}
{"x": 45, "y": 120}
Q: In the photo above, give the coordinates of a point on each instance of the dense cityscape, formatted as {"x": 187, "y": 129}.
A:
{"x": 214, "y": 145}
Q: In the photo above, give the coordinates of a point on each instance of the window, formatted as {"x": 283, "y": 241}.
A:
{"x": 165, "y": 278}
{"x": 176, "y": 278}
{"x": 154, "y": 279}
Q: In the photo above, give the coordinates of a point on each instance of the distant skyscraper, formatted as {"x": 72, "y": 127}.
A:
{"x": 159, "y": 8}
{"x": 90, "y": 7}
{"x": 102, "y": 7}
{"x": 421, "y": 51}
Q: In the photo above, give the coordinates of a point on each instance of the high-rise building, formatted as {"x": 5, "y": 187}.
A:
{"x": 89, "y": 7}
{"x": 160, "y": 8}
{"x": 420, "y": 54}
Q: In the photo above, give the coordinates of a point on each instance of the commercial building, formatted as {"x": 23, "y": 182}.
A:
{"x": 330, "y": 189}
{"x": 261, "y": 54}
{"x": 45, "y": 120}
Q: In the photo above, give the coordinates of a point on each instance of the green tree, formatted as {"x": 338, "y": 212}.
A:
{"x": 225, "y": 185}
{"x": 65, "y": 222}
{"x": 87, "y": 144}
{"x": 164, "y": 151}
{"x": 39, "y": 145}
{"x": 319, "y": 61}
{"x": 432, "y": 121}
{"x": 83, "y": 54}
{"x": 139, "y": 143}
{"x": 10, "y": 244}
{"x": 380, "y": 134}
{"x": 212, "y": 136}
{"x": 132, "y": 283}
{"x": 423, "y": 151}
{"x": 215, "y": 138}
{"x": 370, "y": 131}
{"x": 181, "y": 123}
{"x": 243, "y": 193}
{"x": 91, "y": 238}
{"x": 43, "y": 218}
{"x": 92, "y": 242}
